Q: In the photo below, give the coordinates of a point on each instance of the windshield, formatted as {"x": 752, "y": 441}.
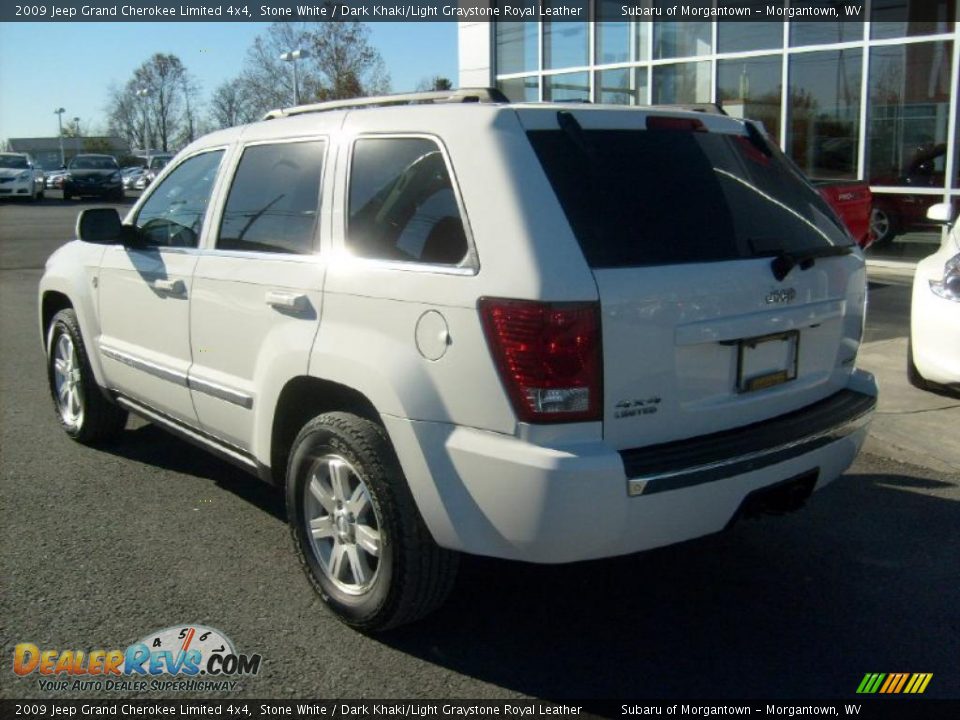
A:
{"x": 82, "y": 162}
{"x": 158, "y": 162}
{"x": 668, "y": 196}
{"x": 17, "y": 162}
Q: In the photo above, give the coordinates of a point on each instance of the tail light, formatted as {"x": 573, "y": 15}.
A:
{"x": 548, "y": 356}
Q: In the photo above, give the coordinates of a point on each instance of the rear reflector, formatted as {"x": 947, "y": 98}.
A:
{"x": 548, "y": 357}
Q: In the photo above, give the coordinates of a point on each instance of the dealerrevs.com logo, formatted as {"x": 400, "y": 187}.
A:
{"x": 180, "y": 658}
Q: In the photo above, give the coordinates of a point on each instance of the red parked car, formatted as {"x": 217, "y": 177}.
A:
{"x": 852, "y": 201}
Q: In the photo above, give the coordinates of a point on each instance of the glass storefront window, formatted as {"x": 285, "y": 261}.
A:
{"x": 526, "y": 89}
{"x": 824, "y": 112}
{"x": 909, "y": 104}
{"x": 817, "y": 32}
{"x": 956, "y": 144}
{"x": 751, "y": 88}
{"x": 900, "y": 226}
{"x": 565, "y": 44}
{"x": 613, "y": 34}
{"x": 899, "y": 18}
{"x": 737, "y": 36}
{"x": 567, "y": 86}
{"x": 517, "y": 47}
{"x": 681, "y": 39}
{"x": 681, "y": 83}
{"x": 624, "y": 86}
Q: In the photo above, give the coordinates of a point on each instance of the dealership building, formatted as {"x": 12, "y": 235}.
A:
{"x": 871, "y": 99}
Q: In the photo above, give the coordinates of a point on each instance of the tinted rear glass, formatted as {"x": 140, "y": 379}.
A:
{"x": 667, "y": 196}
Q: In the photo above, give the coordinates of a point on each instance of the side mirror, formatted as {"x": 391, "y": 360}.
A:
{"x": 941, "y": 213}
{"x": 102, "y": 226}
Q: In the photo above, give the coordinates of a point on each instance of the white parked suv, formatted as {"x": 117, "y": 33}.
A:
{"x": 541, "y": 332}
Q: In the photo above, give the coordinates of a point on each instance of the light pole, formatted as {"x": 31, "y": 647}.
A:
{"x": 76, "y": 133}
{"x": 59, "y": 113}
{"x": 292, "y": 57}
{"x": 142, "y": 93}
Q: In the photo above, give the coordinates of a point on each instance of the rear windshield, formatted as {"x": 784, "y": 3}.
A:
{"x": 668, "y": 196}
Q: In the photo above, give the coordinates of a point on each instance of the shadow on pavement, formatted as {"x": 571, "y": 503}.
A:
{"x": 153, "y": 446}
{"x": 864, "y": 579}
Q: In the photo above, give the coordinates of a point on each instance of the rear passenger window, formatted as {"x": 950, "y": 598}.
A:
{"x": 275, "y": 199}
{"x": 402, "y": 204}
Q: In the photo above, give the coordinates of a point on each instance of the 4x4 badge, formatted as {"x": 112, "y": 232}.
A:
{"x": 785, "y": 295}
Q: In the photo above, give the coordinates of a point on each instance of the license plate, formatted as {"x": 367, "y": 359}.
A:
{"x": 767, "y": 361}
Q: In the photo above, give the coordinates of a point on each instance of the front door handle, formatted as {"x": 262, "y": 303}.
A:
{"x": 169, "y": 287}
{"x": 286, "y": 301}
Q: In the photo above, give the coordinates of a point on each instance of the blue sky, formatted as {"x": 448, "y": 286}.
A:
{"x": 71, "y": 65}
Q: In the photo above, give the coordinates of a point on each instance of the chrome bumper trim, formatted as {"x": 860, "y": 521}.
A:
{"x": 747, "y": 462}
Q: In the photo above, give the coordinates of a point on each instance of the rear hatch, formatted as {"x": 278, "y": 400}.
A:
{"x": 729, "y": 291}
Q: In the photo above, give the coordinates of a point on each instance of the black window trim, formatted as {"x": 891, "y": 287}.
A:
{"x": 470, "y": 265}
{"x": 157, "y": 181}
{"x": 226, "y": 183}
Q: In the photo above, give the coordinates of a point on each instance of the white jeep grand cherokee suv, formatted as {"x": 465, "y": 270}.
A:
{"x": 540, "y": 332}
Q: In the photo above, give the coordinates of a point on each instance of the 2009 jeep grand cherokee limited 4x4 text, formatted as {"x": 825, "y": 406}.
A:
{"x": 539, "y": 332}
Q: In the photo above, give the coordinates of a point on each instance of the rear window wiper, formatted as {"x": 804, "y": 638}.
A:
{"x": 573, "y": 131}
{"x": 785, "y": 261}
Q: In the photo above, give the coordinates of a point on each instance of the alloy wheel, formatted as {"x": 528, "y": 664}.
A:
{"x": 67, "y": 381}
{"x": 343, "y": 524}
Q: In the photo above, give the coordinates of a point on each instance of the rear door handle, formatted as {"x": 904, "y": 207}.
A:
{"x": 169, "y": 287}
{"x": 286, "y": 301}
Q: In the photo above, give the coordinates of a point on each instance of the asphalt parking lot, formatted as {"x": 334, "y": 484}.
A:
{"x": 102, "y": 546}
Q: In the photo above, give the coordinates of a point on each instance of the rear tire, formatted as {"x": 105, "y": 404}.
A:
{"x": 83, "y": 410}
{"x": 882, "y": 225}
{"x": 356, "y": 527}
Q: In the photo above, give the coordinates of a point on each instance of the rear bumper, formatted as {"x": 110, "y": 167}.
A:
{"x": 491, "y": 494}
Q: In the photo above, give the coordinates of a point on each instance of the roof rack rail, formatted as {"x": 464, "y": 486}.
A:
{"x": 462, "y": 95}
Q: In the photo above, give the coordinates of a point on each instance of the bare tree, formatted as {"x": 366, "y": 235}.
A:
{"x": 125, "y": 116}
{"x": 231, "y": 104}
{"x": 157, "y": 106}
{"x": 341, "y": 64}
{"x": 190, "y": 90}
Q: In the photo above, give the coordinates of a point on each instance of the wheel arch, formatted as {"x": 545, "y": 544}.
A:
{"x": 301, "y": 399}
{"x": 52, "y": 302}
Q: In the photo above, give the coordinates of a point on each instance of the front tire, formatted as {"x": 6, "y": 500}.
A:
{"x": 84, "y": 412}
{"x": 356, "y": 528}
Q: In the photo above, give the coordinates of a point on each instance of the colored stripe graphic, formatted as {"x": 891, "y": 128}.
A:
{"x": 875, "y": 685}
{"x": 894, "y": 683}
{"x": 903, "y": 680}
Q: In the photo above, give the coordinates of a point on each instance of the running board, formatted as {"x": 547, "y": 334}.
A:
{"x": 196, "y": 437}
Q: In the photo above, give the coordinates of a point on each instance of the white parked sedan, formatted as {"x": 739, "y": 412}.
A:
{"x": 20, "y": 177}
{"x": 933, "y": 357}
